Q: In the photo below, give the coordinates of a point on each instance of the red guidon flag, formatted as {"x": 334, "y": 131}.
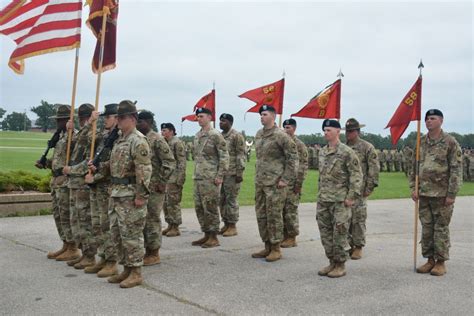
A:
{"x": 325, "y": 104}
{"x": 208, "y": 101}
{"x": 271, "y": 94}
{"x": 408, "y": 110}
{"x": 39, "y": 27}
{"x": 97, "y": 10}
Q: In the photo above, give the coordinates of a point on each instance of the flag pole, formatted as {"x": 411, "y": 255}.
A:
{"x": 417, "y": 182}
{"x": 214, "y": 88}
{"x": 73, "y": 101}
{"x": 281, "y": 115}
{"x": 340, "y": 75}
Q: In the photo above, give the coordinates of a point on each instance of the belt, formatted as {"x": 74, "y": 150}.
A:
{"x": 125, "y": 181}
{"x": 57, "y": 172}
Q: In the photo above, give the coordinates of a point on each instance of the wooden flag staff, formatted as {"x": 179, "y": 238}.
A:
{"x": 73, "y": 101}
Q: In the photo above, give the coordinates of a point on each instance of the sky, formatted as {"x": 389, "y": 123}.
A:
{"x": 170, "y": 53}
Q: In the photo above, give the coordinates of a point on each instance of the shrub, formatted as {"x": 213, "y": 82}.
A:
{"x": 23, "y": 181}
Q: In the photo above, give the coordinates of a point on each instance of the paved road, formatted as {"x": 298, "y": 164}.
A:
{"x": 226, "y": 280}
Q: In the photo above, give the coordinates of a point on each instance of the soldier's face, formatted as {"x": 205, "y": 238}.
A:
{"x": 110, "y": 121}
{"x": 351, "y": 135}
{"x": 204, "y": 119}
{"x": 126, "y": 122}
{"x": 290, "y": 129}
{"x": 331, "y": 133}
{"x": 267, "y": 117}
{"x": 61, "y": 123}
{"x": 224, "y": 124}
{"x": 433, "y": 122}
{"x": 167, "y": 133}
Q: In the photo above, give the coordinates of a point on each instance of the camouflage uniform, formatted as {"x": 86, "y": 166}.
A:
{"x": 229, "y": 206}
{"x": 174, "y": 186}
{"x": 382, "y": 160}
{"x": 471, "y": 165}
{"x": 397, "y": 160}
{"x": 340, "y": 178}
{"x": 440, "y": 176}
{"x": 316, "y": 158}
{"x": 409, "y": 157}
{"x": 370, "y": 170}
{"x": 465, "y": 166}
{"x": 310, "y": 157}
{"x": 389, "y": 160}
{"x": 277, "y": 159}
{"x": 211, "y": 161}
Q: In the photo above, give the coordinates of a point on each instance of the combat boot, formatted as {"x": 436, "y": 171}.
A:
{"x": 108, "y": 270}
{"x": 224, "y": 228}
{"x": 439, "y": 269}
{"x": 212, "y": 241}
{"x": 86, "y": 261}
{"x": 174, "y": 231}
{"x": 120, "y": 277}
{"x": 230, "y": 231}
{"x": 324, "y": 271}
{"x": 426, "y": 268}
{"x": 356, "y": 253}
{"x": 289, "y": 242}
{"x": 54, "y": 254}
{"x": 71, "y": 253}
{"x": 338, "y": 271}
{"x": 95, "y": 268}
{"x": 275, "y": 253}
{"x": 71, "y": 263}
{"x": 201, "y": 241}
{"x": 263, "y": 253}
{"x": 152, "y": 258}
{"x": 167, "y": 229}
{"x": 134, "y": 278}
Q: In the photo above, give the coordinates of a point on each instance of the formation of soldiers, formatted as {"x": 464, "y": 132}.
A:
{"x": 468, "y": 165}
{"x": 110, "y": 206}
{"x": 395, "y": 160}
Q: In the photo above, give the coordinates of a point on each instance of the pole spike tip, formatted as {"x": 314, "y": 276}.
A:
{"x": 340, "y": 74}
{"x": 421, "y": 64}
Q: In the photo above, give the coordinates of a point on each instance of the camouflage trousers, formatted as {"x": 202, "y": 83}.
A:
{"x": 269, "y": 203}
{"x": 229, "y": 205}
{"x": 206, "y": 201}
{"x": 81, "y": 221}
{"x": 172, "y": 204}
{"x": 382, "y": 166}
{"x": 291, "y": 224}
{"x": 126, "y": 228}
{"x": 357, "y": 226}
{"x": 396, "y": 166}
{"x": 99, "y": 199}
{"x": 435, "y": 218}
{"x": 61, "y": 199}
{"x": 152, "y": 230}
{"x": 333, "y": 221}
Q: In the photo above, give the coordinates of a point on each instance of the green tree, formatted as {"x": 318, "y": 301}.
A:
{"x": 16, "y": 122}
{"x": 2, "y": 112}
{"x": 44, "y": 112}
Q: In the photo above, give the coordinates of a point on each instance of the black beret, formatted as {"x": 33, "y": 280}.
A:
{"x": 331, "y": 123}
{"x": 168, "y": 126}
{"x": 266, "y": 108}
{"x": 145, "y": 115}
{"x": 228, "y": 117}
{"x": 433, "y": 112}
{"x": 289, "y": 122}
{"x": 203, "y": 110}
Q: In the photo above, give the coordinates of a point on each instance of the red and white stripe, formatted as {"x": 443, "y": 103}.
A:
{"x": 41, "y": 27}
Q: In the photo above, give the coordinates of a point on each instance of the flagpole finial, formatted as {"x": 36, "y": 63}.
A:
{"x": 283, "y": 74}
{"x": 213, "y": 85}
{"x": 340, "y": 75}
{"x": 421, "y": 66}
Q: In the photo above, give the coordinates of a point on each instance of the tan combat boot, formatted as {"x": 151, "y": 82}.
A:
{"x": 71, "y": 263}
{"x": 289, "y": 242}
{"x": 324, "y": 271}
{"x": 152, "y": 258}
{"x": 263, "y": 253}
{"x": 201, "y": 241}
{"x": 71, "y": 253}
{"x": 134, "y": 278}
{"x": 54, "y": 254}
{"x": 86, "y": 261}
{"x": 356, "y": 253}
{"x": 426, "y": 268}
{"x": 166, "y": 230}
{"x": 95, "y": 268}
{"x": 338, "y": 271}
{"x": 439, "y": 269}
{"x": 224, "y": 228}
{"x": 108, "y": 270}
{"x": 120, "y": 277}
{"x": 212, "y": 241}
{"x": 174, "y": 231}
{"x": 275, "y": 253}
{"x": 230, "y": 231}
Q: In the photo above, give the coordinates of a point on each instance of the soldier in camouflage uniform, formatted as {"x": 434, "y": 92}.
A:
{"x": 163, "y": 163}
{"x": 174, "y": 186}
{"x": 310, "y": 156}
{"x": 317, "y": 148}
{"x": 340, "y": 181}
{"x": 211, "y": 161}
{"x": 382, "y": 160}
{"x": 370, "y": 170}
{"x": 440, "y": 174}
{"x": 276, "y": 167}
{"x": 397, "y": 160}
{"x": 408, "y": 155}
{"x": 291, "y": 225}
{"x": 233, "y": 177}
{"x": 389, "y": 160}
{"x": 465, "y": 164}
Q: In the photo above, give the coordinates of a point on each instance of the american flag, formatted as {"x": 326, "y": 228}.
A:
{"x": 40, "y": 27}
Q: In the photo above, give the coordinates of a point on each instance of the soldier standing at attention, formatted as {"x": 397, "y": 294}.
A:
{"x": 370, "y": 170}
{"x": 162, "y": 162}
{"x": 229, "y": 206}
{"x": 382, "y": 160}
{"x": 174, "y": 186}
{"x": 290, "y": 211}
{"x": 408, "y": 154}
{"x": 276, "y": 167}
{"x": 211, "y": 160}
{"x": 340, "y": 181}
{"x": 440, "y": 174}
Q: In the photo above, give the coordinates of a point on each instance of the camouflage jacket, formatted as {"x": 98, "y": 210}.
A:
{"x": 302, "y": 161}
{"x": 382, "y": 156}
{"x": 440, "y": 169}
{"x": 57, "y": 162}
{"x": 236, "y": 148}
{"x": 101, "y": 177}
{"x": 162, "y": 160}
{"x": 340, "y": 175}
{"x": 211, "y": 158}
{"x": 277, "y": 157}
{"x": 178, "y": 176}
{"x": 369, "y": 164}
{"x": 79, "y": 157}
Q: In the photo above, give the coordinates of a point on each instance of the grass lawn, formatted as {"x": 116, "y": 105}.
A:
{"x": 19, "y": 150}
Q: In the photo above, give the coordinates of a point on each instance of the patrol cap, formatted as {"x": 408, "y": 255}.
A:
{"x": 331, "y": 123}
{"x": 126, "y": 107}
{"x": 85, "y": 110}
{"x": 289, "y": 122}
{"x": 266, "y": 108}
{"x": 433, "y": 112}
{"x": 145, "y": 115}
{"x": 228, "y": 117}
{"x": 352, "y": 124}
{"x": 169, "y": 126}
{"x": 62, "y": 111}
{"x": 203, "y": 110}
{"x": 110, "y": 109}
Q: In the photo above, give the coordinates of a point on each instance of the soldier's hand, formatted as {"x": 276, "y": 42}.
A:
{"x": 366, "y": 194}
{"x": 139, "y": 202}
{"x": 281, "y": 184}
{"x": 94, "y": 116}
{"x": 69, "y": 124}
{"x": 89, "y": 178}
{"x": 66, "y": 170}
{"x": 91, "y": 166}
{"x": 218, "y": 181}
{"x": 238, "y": 179}
{"x": 414, "y": 196}
{"x": 39, "y": 165}
{"x": 297, "y": 189}
{"x": 449, "y": 201}
{"x": 348, "y": 202}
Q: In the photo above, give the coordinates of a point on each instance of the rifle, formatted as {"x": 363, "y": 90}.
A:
{"x": 108, "y": 144}
{"x": 51, "y": 144}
